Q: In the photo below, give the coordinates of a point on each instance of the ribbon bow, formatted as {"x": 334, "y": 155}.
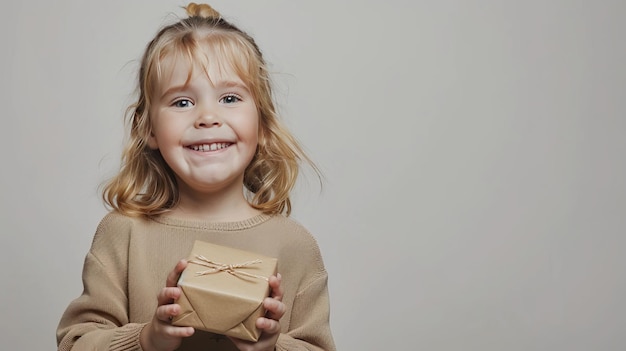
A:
{"x": 216, "y": 267}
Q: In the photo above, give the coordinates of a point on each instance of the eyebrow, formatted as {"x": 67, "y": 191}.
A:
{"x": 231, "y": 84}
{"x": 173, "y": 89}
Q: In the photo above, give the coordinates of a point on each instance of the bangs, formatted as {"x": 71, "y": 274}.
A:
{"x": 226, "y": 53}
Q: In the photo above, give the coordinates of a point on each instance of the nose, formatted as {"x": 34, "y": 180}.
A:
{"x": 207, "y": 118}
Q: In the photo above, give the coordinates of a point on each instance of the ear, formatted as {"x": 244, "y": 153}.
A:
{"x": 152, "y": 142}
{"x": 141, "y": 122}
{"x": 260, "y": 135}
{"x": 151, "y": 139}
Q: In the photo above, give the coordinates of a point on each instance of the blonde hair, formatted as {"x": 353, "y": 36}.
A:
{"x": 145, "y": 184}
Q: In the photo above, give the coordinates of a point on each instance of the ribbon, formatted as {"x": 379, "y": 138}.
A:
{"x": 217, "y": 267}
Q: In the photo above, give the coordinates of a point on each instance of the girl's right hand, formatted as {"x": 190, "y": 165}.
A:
{"x": 160, "y": 334}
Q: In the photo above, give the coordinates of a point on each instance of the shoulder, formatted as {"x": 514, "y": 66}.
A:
{"x": 299, "y": 246}
{"x": 293, "y": 231}
{"x": 115, "y": 222}
{"x": 114, "y": 231}
{"x": 114, "y": 219}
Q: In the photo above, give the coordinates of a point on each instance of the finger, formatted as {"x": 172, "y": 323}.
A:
{"x": 269, "y": 326}
{"x": 172, "y": 278}
{"x": 180, "y": 332}
{"x": 165, "y": 313}
{"x": 275, "y": 308}
{"x": 275, "y": 285}
{"x": 168, "y": 295}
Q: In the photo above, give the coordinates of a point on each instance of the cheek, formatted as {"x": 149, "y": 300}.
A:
{"x": 254, "y": 130}
{"x": 164, "y": 135}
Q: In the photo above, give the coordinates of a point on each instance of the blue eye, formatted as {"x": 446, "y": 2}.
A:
{"x": 230, "y": 99}
{"x": 182, "y": 103}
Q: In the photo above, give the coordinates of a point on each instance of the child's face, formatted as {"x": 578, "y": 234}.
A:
{"x": 206, "y": 129}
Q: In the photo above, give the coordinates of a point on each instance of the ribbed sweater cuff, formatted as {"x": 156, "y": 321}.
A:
{"x": 126, "y": 338}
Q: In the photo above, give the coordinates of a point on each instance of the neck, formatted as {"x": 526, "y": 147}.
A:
{"x": 224, "y": 205}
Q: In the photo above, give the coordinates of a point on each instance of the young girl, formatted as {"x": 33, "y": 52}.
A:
{"x": 207, "y": 159}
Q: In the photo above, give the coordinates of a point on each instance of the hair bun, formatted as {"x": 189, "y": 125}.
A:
{"x": 201, "y": 10}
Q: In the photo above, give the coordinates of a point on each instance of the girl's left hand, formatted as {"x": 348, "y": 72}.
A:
{"x": 269, "y": 324}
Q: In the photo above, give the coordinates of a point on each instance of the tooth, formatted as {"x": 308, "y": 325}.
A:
{"x": 209, "y": 147}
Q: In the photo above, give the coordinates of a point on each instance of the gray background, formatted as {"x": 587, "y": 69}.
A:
{"x": 473, "y": 151}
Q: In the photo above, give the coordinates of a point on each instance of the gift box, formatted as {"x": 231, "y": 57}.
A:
{"x": 223, "y": 289}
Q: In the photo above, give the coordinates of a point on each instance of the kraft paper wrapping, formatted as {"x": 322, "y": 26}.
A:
{"x": 225, "y": 300}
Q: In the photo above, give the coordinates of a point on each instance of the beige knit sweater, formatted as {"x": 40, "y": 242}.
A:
{"x": 130, "y": 258}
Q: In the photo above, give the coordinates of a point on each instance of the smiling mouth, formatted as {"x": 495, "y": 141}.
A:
{"x": 209, "y": 147}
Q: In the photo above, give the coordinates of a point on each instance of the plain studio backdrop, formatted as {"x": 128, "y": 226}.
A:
{"x": 473, "y": 151}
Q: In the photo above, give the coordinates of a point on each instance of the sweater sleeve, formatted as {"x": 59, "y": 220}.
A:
{"x": 98, "y": 319}
{"x": 309, "y": 327}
